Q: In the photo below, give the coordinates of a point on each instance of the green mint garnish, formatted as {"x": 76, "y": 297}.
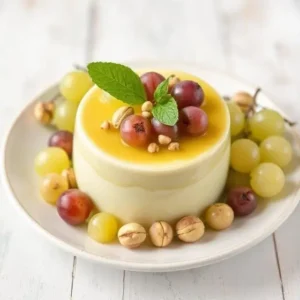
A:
{"x": 124, "y": 84}
{"x": 166, "y": 112}
{"x": 165, "y": 109}
{"x": 119, "y": 81}
{"x": 162, "y": 89}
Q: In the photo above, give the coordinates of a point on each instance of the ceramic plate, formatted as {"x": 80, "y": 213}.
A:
{"x": 26, "y": 137}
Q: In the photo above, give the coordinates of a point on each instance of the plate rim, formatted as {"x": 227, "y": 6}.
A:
{"x": 129, "y": 265}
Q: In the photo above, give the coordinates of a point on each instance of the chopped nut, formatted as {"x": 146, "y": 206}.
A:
{"x": 43, "y": 112}
{"x": 173, "y": 80}
{"x": 190, "y": 229}
{"x": 120, "y": 114}
{"x": 173, "y": 146}
{"x": 153, "y": 147}
{"x": 105, "y": 125}
{"x": 161, "y": 234}
{"x": 146, "y": 114}
{"x": 69, "y": 175}
{"x": 147, "y": 106}
{"x": 132, "y": 235}
{"x": 164, "y": 140}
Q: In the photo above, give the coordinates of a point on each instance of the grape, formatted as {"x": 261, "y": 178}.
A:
{"x": 150, "y": 81}
{"x": 193, "y": 121}
{"x": 62, "y": 139}
{"x": 242, "y": 200}
{"x": 52, "y": 186}
{"x": 136, "y": 131}
{"x": 188, "y": 93}
{"x": 277, "y": 150}
{"x": 64, "y": 115}
{"x": 75, "y": 85}
{"x": 219, "y": 216}
{"x": 235, "y": 179}
{"x": 266, "y": 123}
{"x": 244, "y": 155}
{"x": 103, "y": 227}
{"x": 267, "y": 180}
{"x": 159, "y": 128}
{"x": 51, "y": 160}
{"x": 237, "y": 118}
{"x": 74, "y": 206}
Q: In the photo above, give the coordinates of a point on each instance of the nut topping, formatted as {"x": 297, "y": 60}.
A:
{"x": 120, "y": 114}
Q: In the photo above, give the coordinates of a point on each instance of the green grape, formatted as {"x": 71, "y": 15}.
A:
{"x": 103, "y": 227}
{"x": 51, "y": 160}
{"x": 75, "y": 85}
{"x": 267, "y": 180}
{"x": 237, "y": 118}
{"x": 52, "y": 186}
{"x": 277, "y": 150}
{"x": 244, "y": 155}
{"x": 236, "y": 179}
{"x": 266, "y": 123}
{"x": 64, "y": 115}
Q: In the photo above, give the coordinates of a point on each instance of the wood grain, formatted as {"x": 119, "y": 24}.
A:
{"x": 40, "y": 45}
{"x": 256, "y": 40}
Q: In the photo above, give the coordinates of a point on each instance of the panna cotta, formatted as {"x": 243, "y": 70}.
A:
{"x": 137, "y": 186}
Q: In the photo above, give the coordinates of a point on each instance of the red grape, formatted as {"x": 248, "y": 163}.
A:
{"x": 62, "y": 139}
{"x": 193, "y": 121}
{"x": 187, "y": 93}
{"x": 242, "y": 200}
{"x": 136, "y": 131}
{"x": 150, "y": 81}
{"x": 170, "y": 131}
{"x": 74, "y": 206}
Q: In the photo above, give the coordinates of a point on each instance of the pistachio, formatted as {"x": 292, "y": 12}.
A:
{"x": 69, "y": 175}
{"x": 146, "y": 114}
{"x": 164, "y": 140}
{"x": 174, "y": 146}
{"x": 120, "y": 114}
{"x": 190, "y": 229}
{"x": 132, "y": 235}
{"x": 105, "y": 125}
{"x": 147, "y": 106}
{"x": 43, "y": 112}
{"x": 153, "y": 147}
{"x": 161, "y": 234}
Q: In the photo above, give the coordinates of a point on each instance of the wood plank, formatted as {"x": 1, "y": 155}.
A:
{"x": 94, "y": 281}
{"x": 43, "y": 40}
{"x": 251, "y": 275}
{"x": 155, "y": 30}
{"x": 264, "y": 47}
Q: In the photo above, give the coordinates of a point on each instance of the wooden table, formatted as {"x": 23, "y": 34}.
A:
{"x": 258, "y": 40}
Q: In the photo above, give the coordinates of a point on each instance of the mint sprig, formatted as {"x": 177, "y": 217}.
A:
{"x": 124, "y": 84}
{"x": 166, "y": 112}
{"x": 119, "y": 81}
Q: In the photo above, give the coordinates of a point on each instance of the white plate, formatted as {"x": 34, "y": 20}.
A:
{"x": 26, "y": 137}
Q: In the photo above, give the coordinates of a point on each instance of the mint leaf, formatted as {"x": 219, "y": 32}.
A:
{"x": 166, "y": 112}
{"x": 162, "y": 89}
{"x": 119, "y": 81}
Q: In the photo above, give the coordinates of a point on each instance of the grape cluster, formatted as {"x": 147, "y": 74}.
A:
{"x": 258, "y": 153}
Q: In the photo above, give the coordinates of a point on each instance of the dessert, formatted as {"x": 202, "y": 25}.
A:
{"x": 150, "y": 154}
{"x": 138, "y": 186}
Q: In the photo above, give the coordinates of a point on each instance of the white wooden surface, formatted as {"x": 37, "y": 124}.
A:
{"x": 258, "y": 40}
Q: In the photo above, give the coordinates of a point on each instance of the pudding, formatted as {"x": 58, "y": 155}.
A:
{"x": 137, "y": 186}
